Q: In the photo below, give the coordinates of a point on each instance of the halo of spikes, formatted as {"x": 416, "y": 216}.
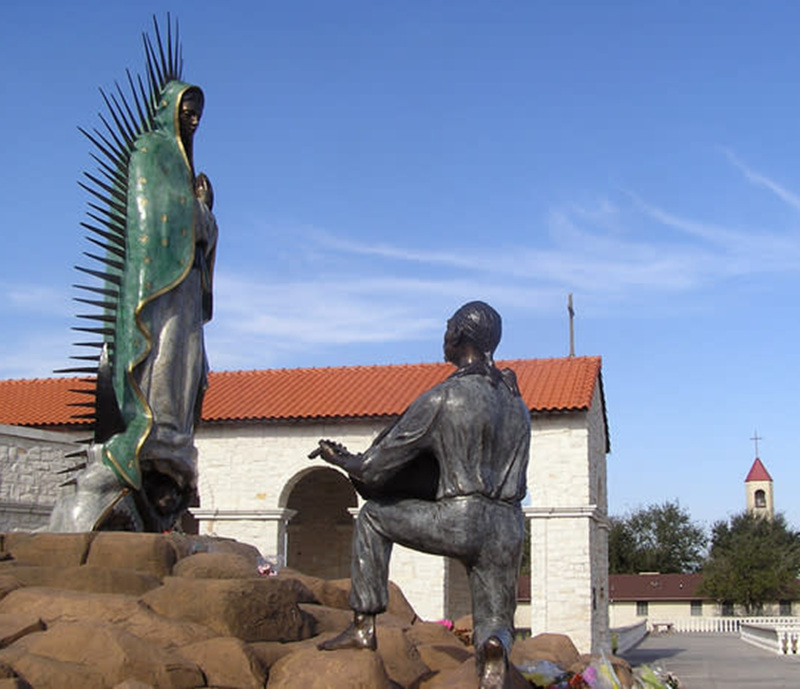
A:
{"x": 128, "y": 115}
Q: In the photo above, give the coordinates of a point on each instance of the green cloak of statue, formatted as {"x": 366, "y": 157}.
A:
{"x": 160, "y": 252}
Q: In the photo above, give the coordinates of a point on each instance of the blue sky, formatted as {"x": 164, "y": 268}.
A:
{"x": 376, "y": 164}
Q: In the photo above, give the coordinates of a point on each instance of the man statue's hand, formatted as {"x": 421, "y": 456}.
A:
{"x": 330, "y": 451}
{"x": 338, "y": 455}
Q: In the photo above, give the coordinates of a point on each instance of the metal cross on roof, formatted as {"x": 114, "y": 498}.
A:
{"x": 756, "y": 437}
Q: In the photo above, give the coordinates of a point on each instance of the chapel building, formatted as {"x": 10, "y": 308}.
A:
{"x": 257, "y": 485}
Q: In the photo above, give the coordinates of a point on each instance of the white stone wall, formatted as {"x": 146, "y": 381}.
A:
{"x": 623, "y": 613}
{"x": 29, "y": 460}
{"x": 569, "y": 526}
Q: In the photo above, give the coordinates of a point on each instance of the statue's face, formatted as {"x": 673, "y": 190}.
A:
{"x": 190, "y": 113}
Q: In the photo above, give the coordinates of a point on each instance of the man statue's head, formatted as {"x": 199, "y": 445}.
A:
{"x": 476, "y": 326}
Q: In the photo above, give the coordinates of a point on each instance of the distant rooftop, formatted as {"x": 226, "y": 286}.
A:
{"x": 653, "y": 586}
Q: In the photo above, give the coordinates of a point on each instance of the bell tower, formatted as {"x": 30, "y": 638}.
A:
{"x": 758, "y": 488}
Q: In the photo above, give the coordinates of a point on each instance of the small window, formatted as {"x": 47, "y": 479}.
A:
{"x": 761, "y": 498}
{"x": 641, "y": 608}
{"x": 785, "y": 608}
{"x": 697, "y": 608}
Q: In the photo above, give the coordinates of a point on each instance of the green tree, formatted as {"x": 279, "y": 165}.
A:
{"x": 753, "y": 560}
{"x": 659, "y": 538}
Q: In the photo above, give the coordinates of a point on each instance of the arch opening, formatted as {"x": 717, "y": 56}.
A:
{"x": 319, "y": 537}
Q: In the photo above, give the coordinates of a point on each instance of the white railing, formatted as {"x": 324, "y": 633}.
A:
{"x": 625, "y": 638}
{"x": 777, "y": 638}
{"x": 716, "y": 625}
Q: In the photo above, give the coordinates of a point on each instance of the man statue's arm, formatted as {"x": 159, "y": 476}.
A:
{"x": 400, "y": 444}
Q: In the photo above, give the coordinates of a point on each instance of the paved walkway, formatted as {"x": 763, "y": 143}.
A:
{"x": 711, "y": 661}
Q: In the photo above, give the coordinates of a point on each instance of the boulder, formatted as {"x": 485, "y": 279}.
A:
{"x": 226, "y": 546}
{"x": 85, "y": 656}
{"x": 54, "y": 606}
{"x": 439, "y": 657}
{"x": 227, "y": 662}
{"x": 270, "y": 652}
{"x": 56, "y": 549}
{"x": 336, "y": 594}
{"x": 314, "y": 669}
{"x": 333, "y": 593}
{"x": 432, "y": 633}
{"x": 465, "y": 676}
{"x": 328, "y": 620}
{"x": 86, "y": 578}
{"x": 399, "y": 605}
{"x": 263, "y": 609}
{"x": 215, "y": 566}
{"x": 144, "y": 552}
{"x": 401, "y": 659}
{"x": 557, "y": 648}
{"x": 163, "y": 631}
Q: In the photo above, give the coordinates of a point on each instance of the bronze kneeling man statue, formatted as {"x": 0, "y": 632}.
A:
{"x": 447, "y": 478}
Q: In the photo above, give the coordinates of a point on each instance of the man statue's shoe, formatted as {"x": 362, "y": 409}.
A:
{"x": 360, "y": 634}
{"x": 494, "y": 665}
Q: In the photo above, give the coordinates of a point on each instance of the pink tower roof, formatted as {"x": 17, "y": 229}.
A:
{"x": 758, "y": 472}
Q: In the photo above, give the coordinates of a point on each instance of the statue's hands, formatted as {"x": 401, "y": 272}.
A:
{"x": 204, "y": 191}
{"x": 338, "y": 455}
{"x": 330, "y": 451}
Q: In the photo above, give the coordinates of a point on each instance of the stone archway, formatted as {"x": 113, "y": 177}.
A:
{"x": 320, "y": 535}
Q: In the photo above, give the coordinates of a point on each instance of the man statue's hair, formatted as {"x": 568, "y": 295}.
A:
{"x": 480, "y": 324}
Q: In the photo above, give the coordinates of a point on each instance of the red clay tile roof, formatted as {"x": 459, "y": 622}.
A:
{"x": 547, "y": 385}
{"x": 652, "y": 587}
{"x": 758, "y": 472}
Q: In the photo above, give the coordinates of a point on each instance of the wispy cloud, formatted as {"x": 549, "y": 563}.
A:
{"x": 761, "y": 180}
{"x": 34, "y": 298}
{"x": 332, "y": 289}
{"x": 320, "y": 312}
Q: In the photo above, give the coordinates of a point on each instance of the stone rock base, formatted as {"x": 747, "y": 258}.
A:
{"x": 139, "y": 611}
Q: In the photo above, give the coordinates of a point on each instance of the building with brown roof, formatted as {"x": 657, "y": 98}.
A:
{"x": 675, "y": 601}
{"x": 257, "y": 485}
{"x": 657, "y": 598}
